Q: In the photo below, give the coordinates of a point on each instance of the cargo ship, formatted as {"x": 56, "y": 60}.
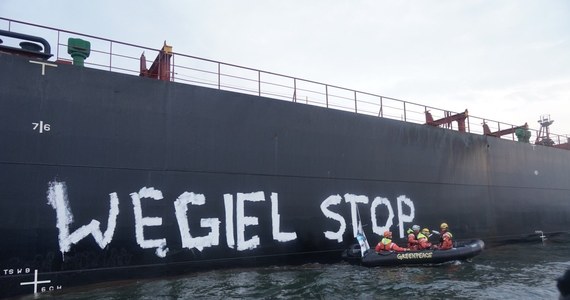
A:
{"x": 111, "y": 170}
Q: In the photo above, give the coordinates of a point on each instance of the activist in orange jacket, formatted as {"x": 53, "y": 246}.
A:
{"x": 423, "y": 240}
{"x": 386, "y": 244}
{"x": 446, "y": 240}
{"x": 413, "y": 237}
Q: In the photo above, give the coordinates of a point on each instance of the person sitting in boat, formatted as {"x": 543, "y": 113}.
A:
{"x": 445, "y": 241}
{"x": 386, "y": 244}
{"x": 423, "y": 239}
{"x": 413, "y": 237}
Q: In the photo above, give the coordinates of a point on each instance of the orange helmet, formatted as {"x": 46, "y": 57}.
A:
{"x": 387, "y": 234}
{"x": 443, "y": 226}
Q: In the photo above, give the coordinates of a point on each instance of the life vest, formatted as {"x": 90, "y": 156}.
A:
{"x": 385, "y": 244}
{"x": 441, "y": 237}
{"x": 446, "y": 242}
{"x": 412, "y": 240}
{"x": 423, "y": 242}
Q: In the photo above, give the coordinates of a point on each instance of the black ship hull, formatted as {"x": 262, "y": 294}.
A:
{"x": 110, "y": 176}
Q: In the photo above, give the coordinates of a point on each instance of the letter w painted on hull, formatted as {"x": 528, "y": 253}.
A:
{"x": 57, "y": 198}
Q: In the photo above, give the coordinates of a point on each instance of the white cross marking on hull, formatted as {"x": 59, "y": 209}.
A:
{"x": 44, "y": 64}
{"x": 35, "y": 282}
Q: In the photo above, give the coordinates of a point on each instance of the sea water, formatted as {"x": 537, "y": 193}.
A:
{"x": 519, "y": 271}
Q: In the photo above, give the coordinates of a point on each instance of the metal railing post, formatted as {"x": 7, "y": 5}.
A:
{"x": 355, "y": 103}
{"x": 259, "y": 82}
{"x": 219, "y": 77}
{"x": 513, "y": 134}
{"x": 57, "y": 51}
{"x": 327, "y": 94}
{"x": 381, "y": 112}
{"x": 405, "y": 117}
{"x": 173, "y": 64}
{"x": 110, "y": 56}
{"x": 294, "y": 89}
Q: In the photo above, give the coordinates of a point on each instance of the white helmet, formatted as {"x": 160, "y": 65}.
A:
{"x": 416, "y": 228}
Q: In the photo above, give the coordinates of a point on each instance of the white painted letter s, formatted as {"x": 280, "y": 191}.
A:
{"x": 333, "y": 200}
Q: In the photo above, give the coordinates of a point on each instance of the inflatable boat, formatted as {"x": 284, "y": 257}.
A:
{"x": 462, "y": 250}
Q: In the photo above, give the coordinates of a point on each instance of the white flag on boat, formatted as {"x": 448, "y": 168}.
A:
{"x": 361, "y": 238}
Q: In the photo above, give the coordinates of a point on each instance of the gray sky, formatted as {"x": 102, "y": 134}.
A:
{"x": 503, "y": 60}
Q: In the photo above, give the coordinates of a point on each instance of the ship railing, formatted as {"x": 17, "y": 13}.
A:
{"x": 115, "y": 56}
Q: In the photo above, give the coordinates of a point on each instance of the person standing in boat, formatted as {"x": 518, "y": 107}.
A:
{"x": 386, "y": 244}
{"x": 446, "y": 239}
{"x": 413, "y": 237}
{"x": 423, "y": 240}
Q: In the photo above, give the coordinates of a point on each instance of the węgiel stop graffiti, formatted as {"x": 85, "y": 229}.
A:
{"x": 235, "y": 230}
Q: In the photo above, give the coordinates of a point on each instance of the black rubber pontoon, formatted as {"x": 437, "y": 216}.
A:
{"x": 463, "y": 250}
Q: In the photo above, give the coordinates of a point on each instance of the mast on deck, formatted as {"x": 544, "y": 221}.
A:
{"x": 543, "y": 137}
